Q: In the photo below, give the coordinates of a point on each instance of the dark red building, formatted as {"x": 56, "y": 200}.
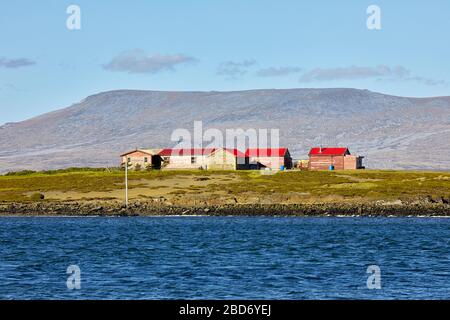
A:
{"x": 333, "y": 158}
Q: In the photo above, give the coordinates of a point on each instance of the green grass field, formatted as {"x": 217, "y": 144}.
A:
{"x": 243, "y": 186}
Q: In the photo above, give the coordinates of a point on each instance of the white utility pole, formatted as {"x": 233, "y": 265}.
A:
{"x": 126, "y": 183}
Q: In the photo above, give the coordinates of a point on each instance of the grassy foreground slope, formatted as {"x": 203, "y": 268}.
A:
{"x": 219, "y": 187}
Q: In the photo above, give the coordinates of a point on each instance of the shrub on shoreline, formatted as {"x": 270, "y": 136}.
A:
{"x": 37, "y": 196}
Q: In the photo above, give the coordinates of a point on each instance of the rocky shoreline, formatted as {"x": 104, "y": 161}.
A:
{"x": 380, "y": 209}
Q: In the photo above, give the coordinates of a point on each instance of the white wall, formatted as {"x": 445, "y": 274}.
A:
{"x": 184, "y": 162}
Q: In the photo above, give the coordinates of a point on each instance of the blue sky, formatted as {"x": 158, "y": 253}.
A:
{"x": 217, "y": 45}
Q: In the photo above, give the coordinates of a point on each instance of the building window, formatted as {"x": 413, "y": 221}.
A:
{"x": 145, "y": 160}
{"x": 128, "y": 159}
{"x": 193, "y": 160}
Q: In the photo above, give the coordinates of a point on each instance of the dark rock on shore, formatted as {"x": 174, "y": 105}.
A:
{"x": 381, "y": 209}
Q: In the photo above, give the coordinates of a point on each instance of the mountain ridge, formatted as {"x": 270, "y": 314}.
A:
{"x": 392, "y": 131}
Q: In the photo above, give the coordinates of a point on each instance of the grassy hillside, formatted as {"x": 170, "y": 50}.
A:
{"x": 217, "y": 187}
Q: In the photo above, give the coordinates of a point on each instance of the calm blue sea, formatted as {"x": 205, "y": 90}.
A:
{"x": 224, "y": 257}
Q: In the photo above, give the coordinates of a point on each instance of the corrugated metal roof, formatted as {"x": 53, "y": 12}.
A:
{"x": 266, "y": 152}
{"x": 186, "y": 152}
{"x": 317, "y": 151}
{"x": 234, "y": 152}
{"x": 152, "y": 151}
{"x": 146, "y": 151}
{"x": 198, "y": 151}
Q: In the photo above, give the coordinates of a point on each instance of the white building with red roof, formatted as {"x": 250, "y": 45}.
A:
{"x": 204, "y": 158}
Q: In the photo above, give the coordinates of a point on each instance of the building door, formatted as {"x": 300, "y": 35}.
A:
{"x": 156, "y": 162}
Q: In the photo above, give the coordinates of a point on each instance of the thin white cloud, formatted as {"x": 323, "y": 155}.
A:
{"x": 137, "y": 61}
{"x": 8, "y": 86}
{"x": 16, "y": 63}
{"x": 277, "y": 72}
{"x": 428, "y": 81}
{"x": 354, "y": 72}
{"x": 381, "y": 72}
{"x": 233, "y": 69}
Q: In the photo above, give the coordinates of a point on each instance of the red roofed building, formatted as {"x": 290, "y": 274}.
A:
{"x": 273, "y": 158}
{"x": 333, "y": 158}
{"x": 185, "y": 152}
{"x": 204, "y": 158}
{"x": 190, "y": 158}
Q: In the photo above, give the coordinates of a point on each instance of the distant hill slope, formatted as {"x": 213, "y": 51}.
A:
{"x": 392, "y": 132}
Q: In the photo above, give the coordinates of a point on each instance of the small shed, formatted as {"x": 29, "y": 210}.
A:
{"x": 273, "y": 158}
{"x": 337, "y": 158}
{"x": 142, "y": 158}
